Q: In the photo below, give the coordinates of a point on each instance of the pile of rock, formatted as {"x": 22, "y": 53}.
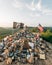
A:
{"x": 22, "y": 47}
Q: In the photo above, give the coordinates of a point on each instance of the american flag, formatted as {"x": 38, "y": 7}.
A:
{"x": 40, "y": 28}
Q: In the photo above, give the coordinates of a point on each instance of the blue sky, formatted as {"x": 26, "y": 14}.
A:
{"x": 30, "y": 12}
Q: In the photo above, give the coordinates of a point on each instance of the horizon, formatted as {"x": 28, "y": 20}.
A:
{"x": 28, "y": 26}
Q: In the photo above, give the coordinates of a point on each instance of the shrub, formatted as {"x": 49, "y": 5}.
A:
{"x": 47, "y": 36}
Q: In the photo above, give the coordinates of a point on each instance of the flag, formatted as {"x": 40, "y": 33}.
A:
{"x": 40, "y": 28}
{"x": 21, "y": 25}
{"x": 16, "y": 25}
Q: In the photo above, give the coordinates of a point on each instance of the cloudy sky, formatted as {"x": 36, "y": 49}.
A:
{"x": 30, "y": 12}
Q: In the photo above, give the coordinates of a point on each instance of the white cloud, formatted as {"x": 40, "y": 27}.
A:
{"x": 38, "y": 5}
{"x": 38, "y": 9}
{"x": 18, "y": 4}
{"x": 33, "y": 6}
{"x": 47, "y": 11}
{"x": 35, "y": 15}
